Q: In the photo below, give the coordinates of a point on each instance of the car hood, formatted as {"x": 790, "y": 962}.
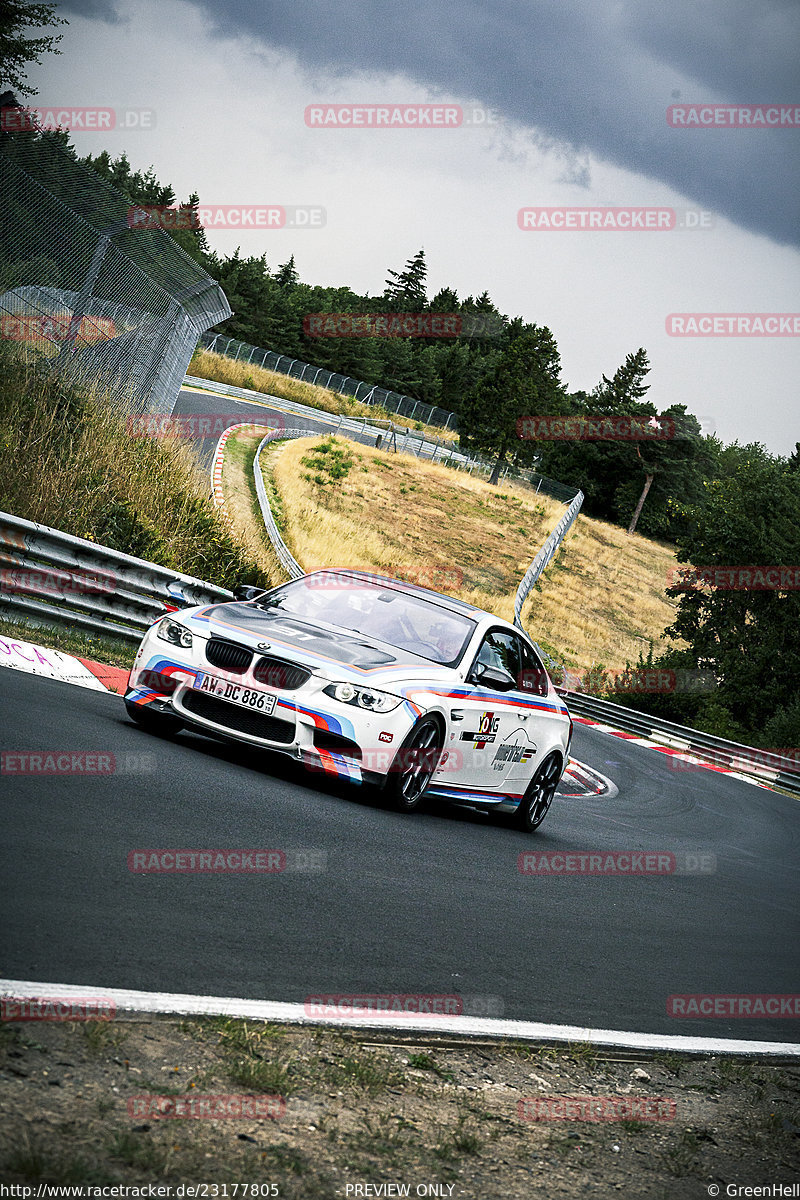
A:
{"x": 324, "y": 649}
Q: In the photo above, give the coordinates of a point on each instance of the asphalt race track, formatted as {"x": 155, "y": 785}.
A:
{"x": 227, "y": 410}
{"x": 433, "y": 903}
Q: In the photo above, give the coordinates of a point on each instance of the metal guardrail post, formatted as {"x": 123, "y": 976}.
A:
{"x": 769, "y": 766}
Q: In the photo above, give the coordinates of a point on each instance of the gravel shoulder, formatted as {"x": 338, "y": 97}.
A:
{"x": 364, "y": 1112}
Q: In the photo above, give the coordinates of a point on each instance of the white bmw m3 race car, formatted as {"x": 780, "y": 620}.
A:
{"x": 368, "y": 679}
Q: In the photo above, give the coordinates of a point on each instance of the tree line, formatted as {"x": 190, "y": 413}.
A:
{"x": 658, "y": 473}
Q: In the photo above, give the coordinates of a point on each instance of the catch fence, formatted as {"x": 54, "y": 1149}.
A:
{"x": 84, "y": 288}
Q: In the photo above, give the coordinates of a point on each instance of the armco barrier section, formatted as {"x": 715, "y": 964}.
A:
{"x": 368, "y": 393}
{"x": 396, "y": 437}
{"x": 770, "y": 766}
{"x": 49, "y": 577}
{"x": 288, "y": 561}
{"x": 545, "y": 557}
{"x": 285, "y": 556}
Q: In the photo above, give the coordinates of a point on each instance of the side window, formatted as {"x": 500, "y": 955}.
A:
{"x": 532, "y": 677}
{"x": 501, "y": 649}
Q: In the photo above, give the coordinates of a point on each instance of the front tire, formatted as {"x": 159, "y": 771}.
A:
{"x": 413, "y": 766}
{"x": 534, "y": 805}
{"x": 153, "y": 722}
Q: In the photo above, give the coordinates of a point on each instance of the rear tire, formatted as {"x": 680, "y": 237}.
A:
{"x": 413, "y": 766}
{"x": 534, "y": 805}
{"x": 153, "y": 722}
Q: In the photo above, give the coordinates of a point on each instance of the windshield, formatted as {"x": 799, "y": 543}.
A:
{"x": 408, "y": 622}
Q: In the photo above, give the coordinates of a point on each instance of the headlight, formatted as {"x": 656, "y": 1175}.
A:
{"x": 368, "y": 698}
{"x": 177, "y": 635}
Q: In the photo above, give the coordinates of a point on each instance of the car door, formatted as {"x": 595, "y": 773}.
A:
{"x": 489, "y": 740}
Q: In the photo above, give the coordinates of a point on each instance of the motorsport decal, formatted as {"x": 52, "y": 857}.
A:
{"x": 487, "y": 731}
{"x": 511, "y": 753}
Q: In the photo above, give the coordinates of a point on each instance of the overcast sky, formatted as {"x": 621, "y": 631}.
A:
{"x": 572, "y": 99}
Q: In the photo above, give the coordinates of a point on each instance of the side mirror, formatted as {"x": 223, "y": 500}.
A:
{"x": 496, "y": 678}
{"x": 246, "y": 591}
{"x": 177, "y": 597}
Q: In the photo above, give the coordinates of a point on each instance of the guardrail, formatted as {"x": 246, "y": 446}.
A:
{"x": 769, "y": 766}
{"x": 288, "y": 561}
{"x": 285, "y": 556}
{"x": 49, "y": 577}
{"x": 270, "y": 360}
{"x": 404, "y": 439}
{"x": 545, "y": 557}
{"x": 436, "y": 449}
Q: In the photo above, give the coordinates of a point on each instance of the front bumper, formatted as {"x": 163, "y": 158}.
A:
{"x": 323, "y": 734}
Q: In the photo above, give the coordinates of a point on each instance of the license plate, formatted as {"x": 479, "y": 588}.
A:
{"x": 235, "y": 693}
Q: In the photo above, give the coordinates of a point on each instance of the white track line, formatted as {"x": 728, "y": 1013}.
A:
{"x": 127, "y": 1001}
{"x": 50, "y": 664}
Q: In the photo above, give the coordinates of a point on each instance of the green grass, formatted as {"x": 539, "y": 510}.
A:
{"x": 206, "y": 364}
{"x": 455, "y": 1143}
{"x": 34, "y": 1162}
{"x": 111, "y": 651}
{"x": 258, "y": 1075}
{"x": 366, "y": 1071}
{"x": 138, "y": 1150}
{"x": 426, "y": 1062}
{"x": 101, "y": 1037}
{"x": 71, "y": 462}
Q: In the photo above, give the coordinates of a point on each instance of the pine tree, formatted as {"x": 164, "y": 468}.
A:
{"x": 524, "y": 382}
{"x": 405, "y": 290}
{"x": 286, "y": 274}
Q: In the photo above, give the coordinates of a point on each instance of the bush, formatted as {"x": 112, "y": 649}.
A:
{"x": 70, "y": 462}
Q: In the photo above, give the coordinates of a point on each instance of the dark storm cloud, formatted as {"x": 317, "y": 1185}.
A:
{"x": 594, "y": 75}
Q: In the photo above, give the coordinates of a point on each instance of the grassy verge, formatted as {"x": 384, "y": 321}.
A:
{"x": 113, "y": 651}
{"x": 70, "y": 462}
{"x": 241, "y": 499}
{"x": 207, "y": 365}
{"x": 601, "y": 601}
{"x": 360, "y": 1112}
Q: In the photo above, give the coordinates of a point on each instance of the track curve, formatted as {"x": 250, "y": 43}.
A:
{"x": 431, "y": 904}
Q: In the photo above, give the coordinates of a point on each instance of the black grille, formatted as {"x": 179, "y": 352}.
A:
{"x": 281, "y": 675}
{"x": 228, "y": 655}
{"x": 241, "y": 720}
{"x": 325, "y": 740}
